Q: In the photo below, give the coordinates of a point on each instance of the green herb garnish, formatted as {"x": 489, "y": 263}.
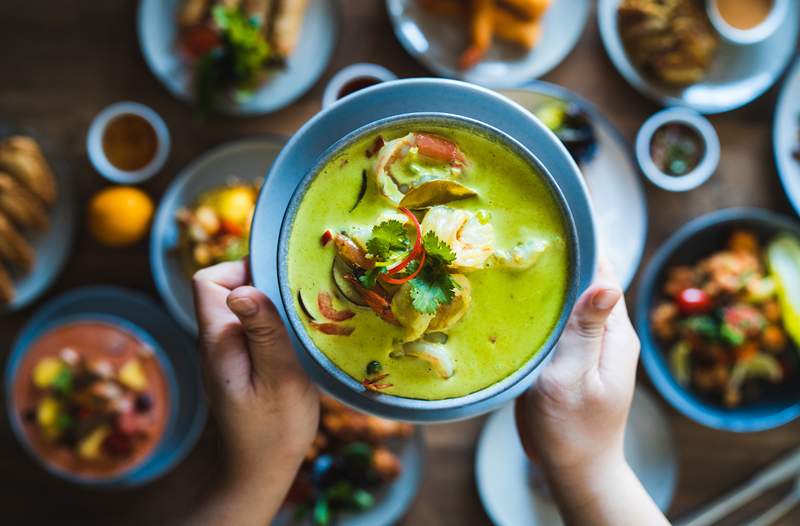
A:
{"x": 433, "y": 286}
{"x": 388, "y": 238}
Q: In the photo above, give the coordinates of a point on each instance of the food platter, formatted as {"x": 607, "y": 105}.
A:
{"x": 738, "y": 74}
{"x": 247, "y": 159}
{"x": 513, "y": 490}
{"x": 157, "y": 37}
{"x": 436, "y": 43}
{"x": 618, "y": 196}
{"x": 786, "y": 136}
{"x": 139, "y": 312}
{"x": 303, "y": 151}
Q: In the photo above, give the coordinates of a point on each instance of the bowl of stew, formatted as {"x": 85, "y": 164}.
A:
{"x": 428, "y": 264}
{"x": 718, "y": 315}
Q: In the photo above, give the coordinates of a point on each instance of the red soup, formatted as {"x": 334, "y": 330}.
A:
{"x": 92, "y": 398}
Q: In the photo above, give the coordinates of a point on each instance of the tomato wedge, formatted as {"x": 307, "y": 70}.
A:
{"x": 415, "y": 252}
{"x": 399, "y": 281}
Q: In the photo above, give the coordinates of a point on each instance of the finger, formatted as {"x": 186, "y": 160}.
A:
{"x": 229, "y": 275}
{"x": 268, "y": 342}
{"x": 620, "y": 354}
{"x": 523, "y": 429}
{"x": 211, "y": 287}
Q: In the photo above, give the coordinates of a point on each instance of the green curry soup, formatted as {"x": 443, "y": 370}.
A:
{"x": 465, "y": 309}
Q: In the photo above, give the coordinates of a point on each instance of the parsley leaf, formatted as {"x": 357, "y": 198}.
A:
{"x": 387, "y": 237}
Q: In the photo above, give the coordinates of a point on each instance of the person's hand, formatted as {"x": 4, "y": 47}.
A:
{"x": 572, "y": 421}
{"x": 266, "y": 407}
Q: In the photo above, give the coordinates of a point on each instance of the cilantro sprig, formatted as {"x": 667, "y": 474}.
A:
{"x": 387, "y": 239}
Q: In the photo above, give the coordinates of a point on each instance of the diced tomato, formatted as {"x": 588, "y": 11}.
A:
{"x": 199, "y": 40}
{"x": 333, "y": 328}
{"x": 694, "y": 301}
{"x": 438, "y": 148}
{"x": 325, "y": 304}
{"x": 326, "y": 237}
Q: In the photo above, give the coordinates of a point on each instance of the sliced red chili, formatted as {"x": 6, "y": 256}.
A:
{"x": 326, "y": 237}
{"x": 325, "y": 304}
{"x": 415, "y": 252}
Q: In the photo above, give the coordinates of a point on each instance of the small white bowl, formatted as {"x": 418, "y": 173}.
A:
{"x": 701, "y": 173}
{"x": 350, "y": 73}
{"x": 97, "y": 156}
{"x": 754, "y": 35}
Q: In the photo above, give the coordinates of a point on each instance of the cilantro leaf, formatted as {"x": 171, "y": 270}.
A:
{"x": 431, "y": 288}
{"x": 387, "y": 237}
{"x": 369, "y": 278}
{"x": 437, "y": 250}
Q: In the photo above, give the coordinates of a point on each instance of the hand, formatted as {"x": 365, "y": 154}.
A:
{"x": 266, "y": 407}
{"x": 572, "y": 422}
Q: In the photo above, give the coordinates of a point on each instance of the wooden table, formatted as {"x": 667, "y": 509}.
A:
{"x": 64, "y": 61}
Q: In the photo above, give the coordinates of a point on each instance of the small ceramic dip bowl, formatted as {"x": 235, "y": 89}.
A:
{"x": 746, "y": 22}
{"x": 128, "y": 143}
{"x": 677, "y": 149}
{"x": 353, "y": 78}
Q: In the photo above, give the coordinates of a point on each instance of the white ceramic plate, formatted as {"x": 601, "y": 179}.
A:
{"x": 247, "y": 159}
{"x": 618, "y": 197}
{"x": 738, "y": 75}
{"x": 437, "y": 42}
{"x": 514, "y": 493}
{"x": 392, "y": 501}
{"x": 158, "y": 31}
{"x": 786, "y": 136}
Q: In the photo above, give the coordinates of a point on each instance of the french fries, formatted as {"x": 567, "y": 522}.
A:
{"x": 515, "y": 21}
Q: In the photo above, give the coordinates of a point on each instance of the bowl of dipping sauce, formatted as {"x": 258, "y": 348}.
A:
{"x": 677, "y": 149}
{"x": 353, "y": 78}
{"x": 746, "y": 22}
{"x": 128, "y": 142}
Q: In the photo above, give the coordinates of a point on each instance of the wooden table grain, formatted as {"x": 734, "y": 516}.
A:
{"x": 62, "y": 61}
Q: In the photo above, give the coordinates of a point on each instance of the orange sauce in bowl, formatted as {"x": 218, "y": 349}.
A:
{"x": 129, "y": 142}
{"x": 744, "y": 14}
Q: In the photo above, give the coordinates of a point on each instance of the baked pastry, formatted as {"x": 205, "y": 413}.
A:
{"x": 21, "y": 206}
{"x": 22, "y": 158}
{"x": 14, "y": 249}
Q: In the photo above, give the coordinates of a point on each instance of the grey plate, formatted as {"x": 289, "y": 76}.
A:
{"x": 52, "y": 247}
{"x": 147, "y": 320}
{"x": 786, "y": 136}
{"x": 620, "y": 204}
{"x": 437, "y": 43}
{"x": 738, "y": 75}
{"x": 157, "y": 32}
{"x": 513, "y": 491}
{"x": 304, "y": 149}
{"x": 247, "y": 159}
{"x": 392, "y": 501}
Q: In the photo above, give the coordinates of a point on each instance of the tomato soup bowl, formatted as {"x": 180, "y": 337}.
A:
{"x": 350, "y": 390}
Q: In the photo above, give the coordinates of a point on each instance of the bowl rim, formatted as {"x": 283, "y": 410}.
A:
{"x": 745, "y": 37}
{"x": 653, "y": 360}
{"x": 419, "y": 408}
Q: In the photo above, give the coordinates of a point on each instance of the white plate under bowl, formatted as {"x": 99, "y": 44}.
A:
{"x": 246, "y": 159}
{"x": 616, "y": 190}
{"x": 738, "y": 75}
{"x": 158, "y": 32}
{"x": 437, "y": 42}
{"x": 514, "y": 493}
{"x": 786, "y": 136}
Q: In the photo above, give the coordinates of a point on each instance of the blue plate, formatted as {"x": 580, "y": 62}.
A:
{"x": 246, "y": 159}
{"x": 175, "y": 351}
{"x": 688, "y": 245}
{"x": 157, "y": 30}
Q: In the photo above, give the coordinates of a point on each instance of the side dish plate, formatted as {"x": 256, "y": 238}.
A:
{"x": 786, "y": 136}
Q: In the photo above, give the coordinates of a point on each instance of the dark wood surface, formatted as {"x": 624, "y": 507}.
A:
{"x": 62, "y": 61}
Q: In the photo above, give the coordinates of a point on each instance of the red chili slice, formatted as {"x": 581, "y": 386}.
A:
{"x": 439, "y": 148}
{"x": 326, "y": 237}
{"x": 333, "y": 329}
{"x": 400, "y": 281}
{"x": 417, "y": 245}
{"x": 325, "y": 304}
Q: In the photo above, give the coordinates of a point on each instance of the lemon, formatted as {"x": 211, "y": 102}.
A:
{"x": 120, "y": 216}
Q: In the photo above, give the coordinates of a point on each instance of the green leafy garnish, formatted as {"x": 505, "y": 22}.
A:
{"x": 438, "y": 252}
{"x": 705, "y": 326}
{"x": 62, "y": 383}
{"x": 370, "y": 277}
{"x": 433, "y": 286}
{"x": 387, "y": 238}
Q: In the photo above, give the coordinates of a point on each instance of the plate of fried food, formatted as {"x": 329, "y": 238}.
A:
{"x": 361, "y": 470}
{"x": 204, "y": 218}
{"x": 495, "y": 43}
{"x": 786, "y": 136}
{"x": 37, "y": 221}
{"x": 238, "y": 57}
{"x": 670, "y": 51}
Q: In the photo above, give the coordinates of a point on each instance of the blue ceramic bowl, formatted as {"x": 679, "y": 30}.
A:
{"x": 691, "y": 243}
{"x": 175, "y": 352}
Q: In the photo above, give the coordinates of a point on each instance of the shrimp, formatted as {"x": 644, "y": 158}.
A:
{"x": 448, "y": 314}
{"x": 472, "y": 241}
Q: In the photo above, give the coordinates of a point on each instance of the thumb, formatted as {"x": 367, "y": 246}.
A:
{"x": 268, "y": 342}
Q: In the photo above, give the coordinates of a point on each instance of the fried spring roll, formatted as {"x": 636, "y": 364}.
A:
{"x": 192, "y": 12}
{"x": 524, "y": 33}
{"x": 287, "y": 24}
{"x": 22, "y": 158}
{"x": 481, "y": 29}
{"x": 7, "y": 291}
{"x": 13, "y": 248}
{"x": 21, "y": 206}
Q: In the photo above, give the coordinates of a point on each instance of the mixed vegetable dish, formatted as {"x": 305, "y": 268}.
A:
{"x": 731, "y": 322}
